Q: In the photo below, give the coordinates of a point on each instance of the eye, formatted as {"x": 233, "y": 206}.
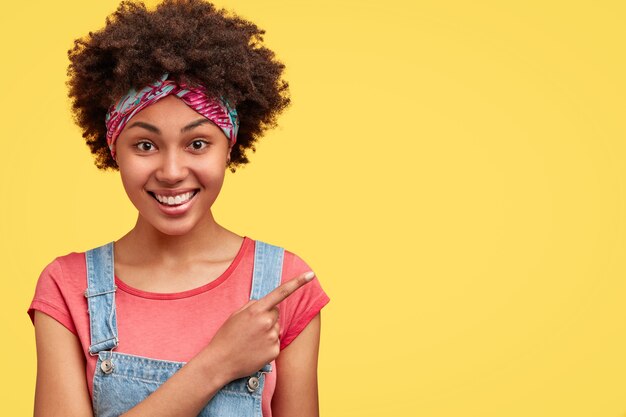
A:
{"x": 144, "y": 146}
{"x": 199, "y": 144}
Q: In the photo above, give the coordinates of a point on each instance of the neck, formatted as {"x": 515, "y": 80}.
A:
{"x": 146, "y": 244}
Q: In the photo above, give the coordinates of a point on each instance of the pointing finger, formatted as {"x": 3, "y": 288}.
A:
{"x": 285, "y": 290}
{"x": 246, "y": 305}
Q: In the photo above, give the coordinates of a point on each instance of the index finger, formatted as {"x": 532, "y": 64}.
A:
{"x": 283, "y": 291}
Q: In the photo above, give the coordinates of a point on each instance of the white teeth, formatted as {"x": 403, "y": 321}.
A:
{"x": 172, "y": 200}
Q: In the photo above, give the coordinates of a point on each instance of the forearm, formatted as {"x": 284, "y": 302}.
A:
{"x": 186, "y": 393}
{"x": 243, "y": 344}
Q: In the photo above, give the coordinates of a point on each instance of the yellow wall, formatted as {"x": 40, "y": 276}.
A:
{"x": 452, "y": 170}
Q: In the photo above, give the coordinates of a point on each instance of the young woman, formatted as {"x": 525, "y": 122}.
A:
{"x": 180, "y": 316}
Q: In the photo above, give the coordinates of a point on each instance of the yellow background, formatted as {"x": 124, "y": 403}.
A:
{"x": 452, "y": 170}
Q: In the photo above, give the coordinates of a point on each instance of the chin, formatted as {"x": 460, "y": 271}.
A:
{"x": 169, "y": 227}
{"x": 175, "y": 230}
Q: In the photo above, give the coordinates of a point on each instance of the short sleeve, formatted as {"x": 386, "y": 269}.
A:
{"x": 49, "y": 298}
{"x": 297, "y": 310}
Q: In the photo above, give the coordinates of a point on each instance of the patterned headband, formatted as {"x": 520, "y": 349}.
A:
{"x": 217, "y": 111}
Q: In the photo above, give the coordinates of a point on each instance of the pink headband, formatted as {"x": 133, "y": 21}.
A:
{"x": 218, "y": 111}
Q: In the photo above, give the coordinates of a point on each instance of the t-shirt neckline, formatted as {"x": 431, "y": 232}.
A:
{"x": 194, "y": 291}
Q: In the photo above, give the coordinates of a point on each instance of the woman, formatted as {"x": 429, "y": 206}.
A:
{"x": 172, "y": 98}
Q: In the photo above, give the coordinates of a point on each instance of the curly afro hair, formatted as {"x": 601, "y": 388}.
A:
{"x": 196, "y": 44}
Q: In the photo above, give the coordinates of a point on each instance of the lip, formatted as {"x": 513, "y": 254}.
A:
{"x": 172, "y": 193}
{"x": 175, "y": 210}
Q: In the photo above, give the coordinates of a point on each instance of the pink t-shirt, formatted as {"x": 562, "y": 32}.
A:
{"x": 167, "y": 325}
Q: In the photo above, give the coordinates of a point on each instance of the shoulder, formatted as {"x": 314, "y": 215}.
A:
{"x": 65, "y": 275}
{"x": 297, "y": 310}
{"x": 74, "y": 262}
{"x": 59, "y": 289}
{"x": 293, "y": 264}
{"x": 65, "y": 267}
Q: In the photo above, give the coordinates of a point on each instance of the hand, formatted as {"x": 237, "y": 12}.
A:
{"x": 248, "y": 339}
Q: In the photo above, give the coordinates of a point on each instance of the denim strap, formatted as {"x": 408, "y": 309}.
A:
{"x": 268, "y": 269}
{"x": 100, "y": 295}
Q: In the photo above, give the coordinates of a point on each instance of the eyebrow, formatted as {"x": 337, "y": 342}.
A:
{"x": 187, "y": 128}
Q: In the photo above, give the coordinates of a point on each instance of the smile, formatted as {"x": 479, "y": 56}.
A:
{"x": 174, "y": 200}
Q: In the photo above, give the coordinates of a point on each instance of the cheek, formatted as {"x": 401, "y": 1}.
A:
{"x": 213, "y": 178}
{"x": 132, "y": 180}
{"x": 210, "y": 170}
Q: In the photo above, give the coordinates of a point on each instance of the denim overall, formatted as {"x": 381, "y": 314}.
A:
{"x": 122, "y": 380}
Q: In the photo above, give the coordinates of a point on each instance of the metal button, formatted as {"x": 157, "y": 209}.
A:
{"x": 107, "y": 366}
{"x": 253, "y": 383}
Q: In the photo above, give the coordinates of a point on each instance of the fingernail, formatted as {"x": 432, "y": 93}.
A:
{"x": 309, "y": 275}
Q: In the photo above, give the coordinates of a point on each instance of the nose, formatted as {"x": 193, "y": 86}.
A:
{"x": 172, "y": 168}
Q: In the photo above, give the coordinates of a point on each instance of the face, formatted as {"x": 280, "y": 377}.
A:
{"x": 172, "y": 162}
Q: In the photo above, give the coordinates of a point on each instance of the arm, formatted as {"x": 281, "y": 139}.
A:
{"x": 196, "y": 382}
{"x": 61, "y": 388}
{"x": 296, "y": 379}
{"x": 246, "y": 341}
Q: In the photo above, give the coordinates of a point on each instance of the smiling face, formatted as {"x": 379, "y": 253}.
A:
{"x": 172, "y": 162}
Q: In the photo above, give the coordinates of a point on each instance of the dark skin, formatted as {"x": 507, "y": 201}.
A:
{"x": 229, "y": 60}
{"x": 61, "y": 389}
{"x": 168, "y": 252}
